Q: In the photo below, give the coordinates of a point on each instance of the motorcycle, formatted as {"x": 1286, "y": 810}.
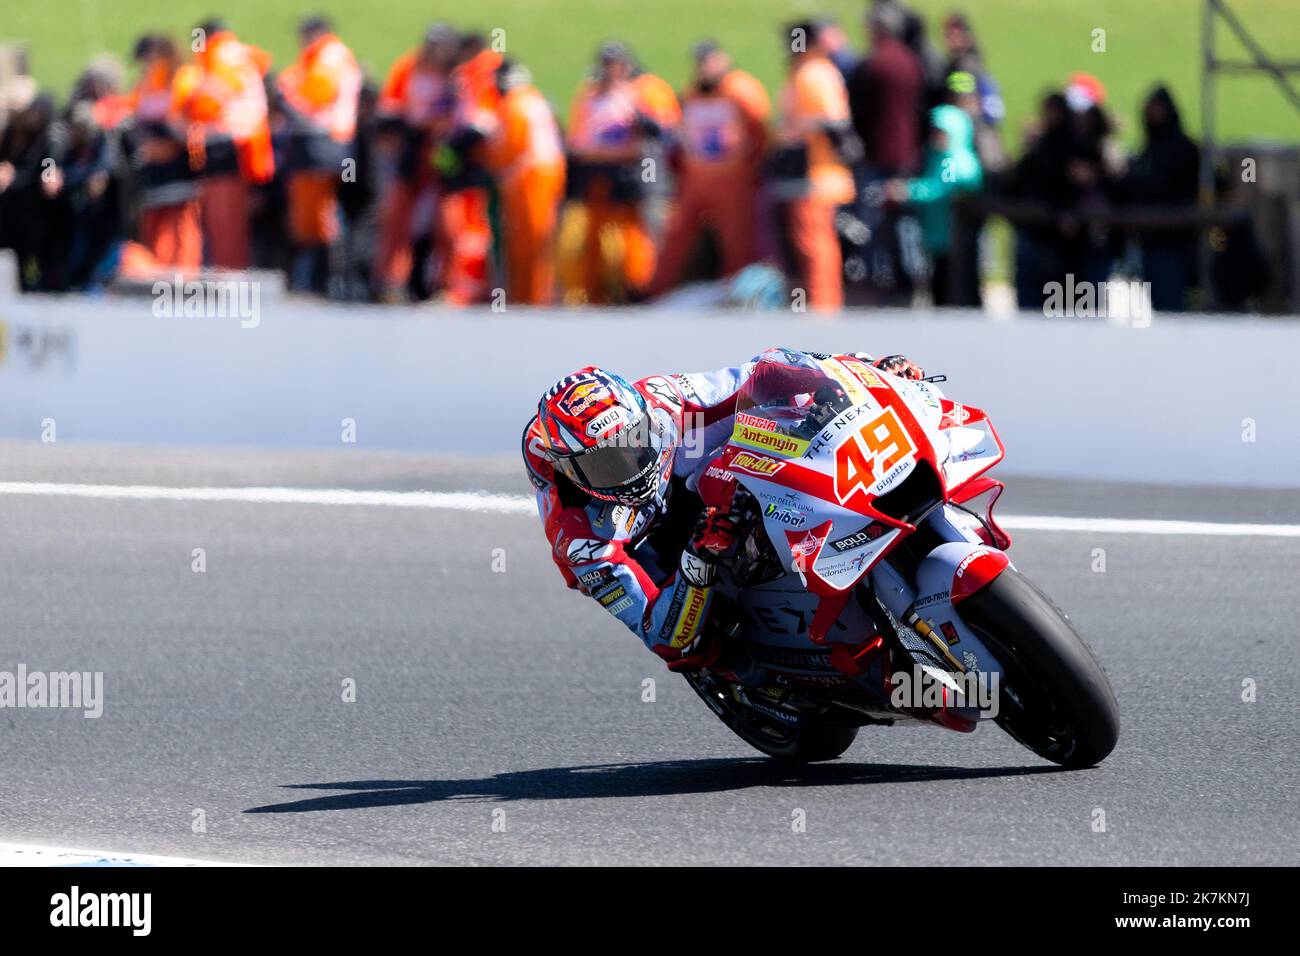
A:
{"x": 872, "y": 586}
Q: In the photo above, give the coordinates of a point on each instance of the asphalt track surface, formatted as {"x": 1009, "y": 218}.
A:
{"x": 489, "y": 697}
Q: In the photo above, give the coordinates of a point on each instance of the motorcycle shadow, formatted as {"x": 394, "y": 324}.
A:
{"x": 658, "y": 778}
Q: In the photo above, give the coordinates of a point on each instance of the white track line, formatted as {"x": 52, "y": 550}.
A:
{"x": 1145, "y": 526}
{"x": 31, "y": 854}
{"x": 478, "y": 501}
{"x": 442, "y": 500}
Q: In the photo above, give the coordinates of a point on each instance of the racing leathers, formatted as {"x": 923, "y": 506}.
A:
{"x": 652, "y": 566}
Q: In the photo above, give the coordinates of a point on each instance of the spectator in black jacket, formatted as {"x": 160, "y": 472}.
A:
{"x": 1165, "y": 173}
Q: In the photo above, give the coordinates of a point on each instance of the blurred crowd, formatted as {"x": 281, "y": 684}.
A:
{"x": 454, "y": 179}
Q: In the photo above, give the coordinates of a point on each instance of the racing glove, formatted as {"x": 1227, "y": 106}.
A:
{"x": 716, "y": 533}
{"x": 901, "y": 366}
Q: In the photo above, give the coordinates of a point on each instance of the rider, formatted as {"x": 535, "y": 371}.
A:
{"x": 636, "y": 503}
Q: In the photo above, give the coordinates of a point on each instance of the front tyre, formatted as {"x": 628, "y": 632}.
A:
{"x": 1054, "y": 696}
{"x": 806, "y": 744}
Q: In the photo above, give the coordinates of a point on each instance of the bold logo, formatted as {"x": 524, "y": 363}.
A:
{"x": 594, "y": 578}
{"x": 755, "y": 465}
{"x": 859, "y": 539}
{"x": 866, "y": 458}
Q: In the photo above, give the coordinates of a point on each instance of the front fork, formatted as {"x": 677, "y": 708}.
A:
{"x": 922, "y": 604}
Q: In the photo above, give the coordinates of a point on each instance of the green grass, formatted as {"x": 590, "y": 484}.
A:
{"x": 1030, "y": 45}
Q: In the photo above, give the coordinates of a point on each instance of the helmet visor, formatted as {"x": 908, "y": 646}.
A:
{"x": 618, "y": 468}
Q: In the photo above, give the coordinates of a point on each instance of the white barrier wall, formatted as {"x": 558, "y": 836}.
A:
{"x": 1209, "y": 400}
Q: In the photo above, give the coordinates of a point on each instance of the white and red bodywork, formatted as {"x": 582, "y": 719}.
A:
{"x": 828, "y": 488}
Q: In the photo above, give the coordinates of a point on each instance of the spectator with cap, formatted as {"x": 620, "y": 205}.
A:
{"x": 723, "y": 136}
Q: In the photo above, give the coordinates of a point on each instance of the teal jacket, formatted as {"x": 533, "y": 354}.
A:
{"x": 946, "y": 175}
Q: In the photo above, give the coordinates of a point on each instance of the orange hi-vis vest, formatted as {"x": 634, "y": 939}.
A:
{"x": 725, "y": 127}
{"x": 324, "y": 85}
{"x": 476, "y": 91}
{"x": 526, "y": 136}
{"x": 223, "y": 92}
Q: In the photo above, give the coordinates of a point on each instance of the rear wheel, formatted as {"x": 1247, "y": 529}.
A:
{"x": 1054, "y": 696}
{"x": 770, "y": 735}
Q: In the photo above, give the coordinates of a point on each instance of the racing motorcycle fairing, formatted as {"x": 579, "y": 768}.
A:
{"x": 845, "y": 462}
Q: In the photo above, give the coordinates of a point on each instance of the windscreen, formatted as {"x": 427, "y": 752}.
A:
{"x": 786, "y": 399}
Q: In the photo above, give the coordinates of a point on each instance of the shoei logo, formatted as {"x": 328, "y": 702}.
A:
{"x": 604, "y": 422}
{"x": 867, "y": 457}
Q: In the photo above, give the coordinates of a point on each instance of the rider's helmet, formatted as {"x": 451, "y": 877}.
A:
{"x": 599, "y": 432}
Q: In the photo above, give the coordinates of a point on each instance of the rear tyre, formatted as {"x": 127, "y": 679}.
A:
{"x": 777, "y": 739}
{"x": 1054, "y": 696}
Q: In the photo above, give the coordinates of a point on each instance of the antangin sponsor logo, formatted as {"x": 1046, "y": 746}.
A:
{"x": 689, "y": 621}
{"x": 764, "y": 434}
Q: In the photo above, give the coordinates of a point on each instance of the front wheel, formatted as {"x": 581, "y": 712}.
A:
{"x": 1054, "y": 696}
{"x": 772, "y": 736}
